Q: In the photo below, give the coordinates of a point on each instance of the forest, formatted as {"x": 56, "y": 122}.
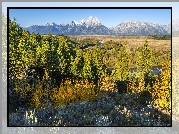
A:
{"x": 161, "y": 37}
{"x": 72, "y": 74}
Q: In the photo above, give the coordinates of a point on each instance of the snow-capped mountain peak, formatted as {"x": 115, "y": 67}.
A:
{"x": 82, "y": 21}
{"x": 90, "y": 18}
{"x": 50, "y": 24}
{"x": 96, "y": 20}
{"x": 72, "y": 23}
{"x": 53, "y": 24}
{"x": 76, "y": 22}
{"x": 142, "y": 28}
{"x": 94, "y": 26}
{"x": 92, "y": 21}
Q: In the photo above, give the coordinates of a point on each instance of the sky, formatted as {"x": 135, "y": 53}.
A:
{"x": 108, "y": 17}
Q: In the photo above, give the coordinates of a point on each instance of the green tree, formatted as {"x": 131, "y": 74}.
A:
{"x": 121, "y": 72}
{"x": 145, "y": 64}
{"x": 98, "y": 66}
{"x": 88, "y": 67}
{"x": 15, "y": 61}
{"x": 65, "y": 55}
{"x": 98, "y": 60}
{"x": 78, "y": 63}
{"x": 27, "y": 46}
{"x": 52, "y": 55}
{"x": 42, "y": 51}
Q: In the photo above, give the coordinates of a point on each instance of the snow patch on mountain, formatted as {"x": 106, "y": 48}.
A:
{"x": 95, "y": 27}
{"x": 92, "y": 22}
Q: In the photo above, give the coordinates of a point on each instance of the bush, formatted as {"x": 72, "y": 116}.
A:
{"x": 68, "y": 93}
{"x": 161, "y": 90}
{"x": 22, "y": 88}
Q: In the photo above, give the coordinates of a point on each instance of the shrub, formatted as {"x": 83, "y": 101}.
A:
{"x": 161, "y": 90}
{"x": 22, "y": 88}
{"x": 68, "y": 93}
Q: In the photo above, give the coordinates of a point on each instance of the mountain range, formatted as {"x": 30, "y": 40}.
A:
{"x": 92, "y": 26}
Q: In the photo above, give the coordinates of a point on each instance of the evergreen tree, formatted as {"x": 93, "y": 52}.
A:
{"x": 88, "y": 67}
{"x": 77, "y": 64}
{"x": 66, "y": 55}
{"x": 121, "y": 72}
{"x": 15, "y": 61}
{"x": 52, "y": 55}
{"x": 145, "y": 64}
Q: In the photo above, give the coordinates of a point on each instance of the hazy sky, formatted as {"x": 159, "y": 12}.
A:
{"x": 108, "y": 17}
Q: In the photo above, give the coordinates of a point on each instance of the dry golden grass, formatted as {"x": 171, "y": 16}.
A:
{"x": 133, "y": 41}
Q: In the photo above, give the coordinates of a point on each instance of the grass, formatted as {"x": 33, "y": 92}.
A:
{"x": 133, "y": 41}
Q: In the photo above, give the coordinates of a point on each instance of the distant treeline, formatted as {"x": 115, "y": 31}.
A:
{"x": 160, "y": 37}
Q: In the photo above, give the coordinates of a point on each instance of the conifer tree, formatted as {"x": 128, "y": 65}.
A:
{"x": 99, "y": 66}
{"x": 145, "y": 65}
{"x": 52, "y": 55}
{"x": 65, "y": 55}
{"x": 88, "y": 67}
{"x": 121, "y": 72}
{"x": 15, "y": 33}
{"x": 77, "y": 64}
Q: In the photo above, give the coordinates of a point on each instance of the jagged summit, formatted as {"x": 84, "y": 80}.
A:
{"x": 89, "y": 22}
{"x": 90, "y": 18}
{"x": 76, "y": 22}
{"x": 93, "y": 26}
{"x": 92, "y": 21}
{"x": 82, "y": 21}
{"x": 49, "y": 24}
